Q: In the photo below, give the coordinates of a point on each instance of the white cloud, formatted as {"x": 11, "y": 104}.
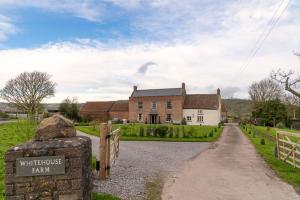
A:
{"x": 91, "y": 10}
{"x": 205, "y": 60}
{"x": 6, "y": 27}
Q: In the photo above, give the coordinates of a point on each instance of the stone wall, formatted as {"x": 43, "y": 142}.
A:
{"x": 75, "y": 184}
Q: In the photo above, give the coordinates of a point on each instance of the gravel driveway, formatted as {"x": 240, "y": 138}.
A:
{"x": 140, "y": 161}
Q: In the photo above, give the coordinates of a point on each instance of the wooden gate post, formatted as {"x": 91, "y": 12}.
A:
{"x": 109, "y": 127}
{"x": 103, "y": 153}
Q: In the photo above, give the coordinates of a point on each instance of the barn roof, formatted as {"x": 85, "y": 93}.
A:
{"x": 201, "y": 101}
{"x": 158, "y": 92}
{"x": 99, "y": 106}
{"x": 120, "y": 106}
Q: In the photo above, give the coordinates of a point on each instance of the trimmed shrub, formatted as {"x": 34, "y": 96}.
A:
{"x": 148, "y": 132}
{"x": 161, "y": 131}
{"x": 142, "y": 131}
{"x": 262, "y": 141}
{"x": 177, "y": 132}
{"x": 211, "y": 134}
{"x": 183, "y": 121}
{"x": 171, "y": 130}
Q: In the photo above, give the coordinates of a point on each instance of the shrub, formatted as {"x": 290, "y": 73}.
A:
{"x": 3, "y": 115}
{"x": 171, "y": 132}
{"x": 177, "y": 132}
{"x": 280, "y": 125}
{"x": 262, "y": 141}
{"x": 211, "y": 134}
{"x": 94, "y": 124}
{"x": 249, "y": 132}
{"x": 161, "y": 131}
{"x": 183, "y": 121}
{"x": 142, "y": 131}
{"x": 268, "y": 128}
{"x": 148, "y": 132}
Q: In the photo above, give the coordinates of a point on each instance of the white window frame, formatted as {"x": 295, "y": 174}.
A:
{"x": 140, "y": 105}
{"x": 140, "y": 117}
{"x": 169, "y": 105}
{"x": 169, "y": 119}
{"x": 154, "y": 105}
{"x": 200, "y": 118}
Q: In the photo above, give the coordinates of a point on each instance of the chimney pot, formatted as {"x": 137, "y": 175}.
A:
{"x": 135, "y": 88}
{"x": 183, "y": 85}
{"x": 218, "y": 91}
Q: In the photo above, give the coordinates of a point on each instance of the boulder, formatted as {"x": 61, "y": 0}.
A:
{"x": 56, "y": 126}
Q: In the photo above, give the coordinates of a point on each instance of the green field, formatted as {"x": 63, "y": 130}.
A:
{"x": 16, "y": 133}
{"x": 285, "y": 171}
{"x": 173, "y": 133}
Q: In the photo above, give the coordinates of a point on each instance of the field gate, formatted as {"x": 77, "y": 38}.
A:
{"x": 288, "y": 147}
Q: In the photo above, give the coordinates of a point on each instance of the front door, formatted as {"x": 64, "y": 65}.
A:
{"x": 153, "y": 119}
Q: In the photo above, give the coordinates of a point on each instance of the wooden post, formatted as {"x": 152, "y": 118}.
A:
{"x": 108, "y": 147}
{"x": 118, "y": 142}
{"x": 277, "y": 143}
{"x": 103, "y": 153}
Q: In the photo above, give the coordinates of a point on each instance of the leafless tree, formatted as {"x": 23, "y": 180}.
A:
{"x": 264, "y": 90}
{"x": 27, "y": 90}
{"x": 292, "y": 102}
{"x": 289, "y": 79}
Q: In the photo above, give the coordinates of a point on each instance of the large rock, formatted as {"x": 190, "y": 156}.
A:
{"x": 56, "y": 126}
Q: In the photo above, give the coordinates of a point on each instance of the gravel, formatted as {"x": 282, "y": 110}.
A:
{"x": 141, "y": 161}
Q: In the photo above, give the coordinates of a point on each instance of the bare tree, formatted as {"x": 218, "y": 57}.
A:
{"x": 264, "y": 90}
{"x": 289, "y": 79}
{"x": 27, "y": 90}
{"x": 292, "y": 102}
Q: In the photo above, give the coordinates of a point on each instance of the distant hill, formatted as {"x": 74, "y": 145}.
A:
{"x": 238, "y": 107}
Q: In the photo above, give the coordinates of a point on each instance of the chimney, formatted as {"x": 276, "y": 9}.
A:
{"x": 218, "y": 91}
{"x": 134, "y": 88}
{"x": 183, "y": 85}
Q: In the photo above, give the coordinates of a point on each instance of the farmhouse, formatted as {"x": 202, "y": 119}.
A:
{"x": 153, "y": 106}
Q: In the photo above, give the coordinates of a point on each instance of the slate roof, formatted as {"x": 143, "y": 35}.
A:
{"x": 201, "y": 101}
{"x": 157, "y": 92}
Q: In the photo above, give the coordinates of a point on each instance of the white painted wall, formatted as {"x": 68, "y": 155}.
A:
{"x": 210, "y": 117}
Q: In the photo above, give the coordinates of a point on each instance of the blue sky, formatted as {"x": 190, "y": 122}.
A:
{"x": 104, "y": 44}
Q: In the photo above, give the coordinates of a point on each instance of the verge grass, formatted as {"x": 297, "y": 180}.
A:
{"x": 267, "y": 151}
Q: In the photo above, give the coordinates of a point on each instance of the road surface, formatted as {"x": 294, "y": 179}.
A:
{"x": 231, "y": 170}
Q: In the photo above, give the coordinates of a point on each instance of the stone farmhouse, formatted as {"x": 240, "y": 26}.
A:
{"x": 153, "y": 106}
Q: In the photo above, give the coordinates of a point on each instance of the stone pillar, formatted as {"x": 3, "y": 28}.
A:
{"x": 55, "y": 168}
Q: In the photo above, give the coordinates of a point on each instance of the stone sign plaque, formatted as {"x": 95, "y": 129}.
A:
{"x": 40, "y": 166}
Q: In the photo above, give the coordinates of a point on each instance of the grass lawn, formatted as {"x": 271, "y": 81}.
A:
{"x": 285, "y": 171}
{"x": 172, "y": 133}
{"x": 16, "y": 133}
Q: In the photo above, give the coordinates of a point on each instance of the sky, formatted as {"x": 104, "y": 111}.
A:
{"x": 98, "y": 49}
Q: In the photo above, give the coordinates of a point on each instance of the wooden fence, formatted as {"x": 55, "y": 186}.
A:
{"x": 109, "y": 149}
{"x": 288, "y": 147}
